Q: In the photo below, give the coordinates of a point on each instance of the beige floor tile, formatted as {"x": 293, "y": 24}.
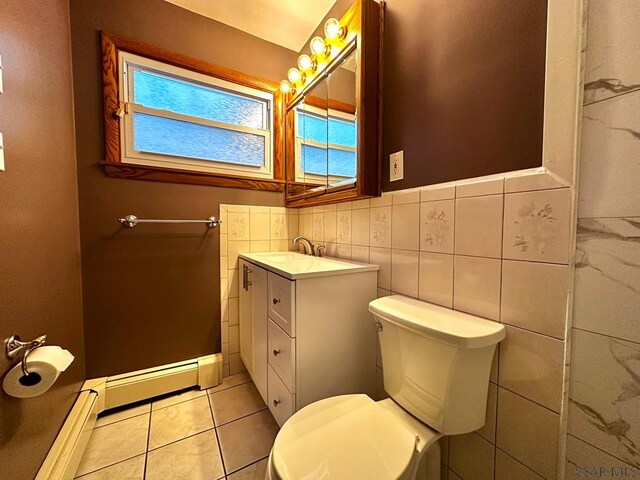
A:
{"x": 231, "y": 381}
{"x": 257, "y": 471}
{"x": 195, "y": 458}
{"x": 177, "y": 398}
{"x": 132, "y": 469}
{"x": 247, "y": 440}
{"x": 114, "y": 443}
{"x": 179, "y": 421}
{"x": 113, "y": 417}
{"x": 236, "y": 402}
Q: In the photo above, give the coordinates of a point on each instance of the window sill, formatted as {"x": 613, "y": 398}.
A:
{"x": 162, "y": 174}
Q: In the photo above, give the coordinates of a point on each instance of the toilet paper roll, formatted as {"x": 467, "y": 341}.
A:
{"x": 44, "y": 365}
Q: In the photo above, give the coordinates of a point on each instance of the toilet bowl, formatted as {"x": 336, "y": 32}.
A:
{"x": 437, "y": 364}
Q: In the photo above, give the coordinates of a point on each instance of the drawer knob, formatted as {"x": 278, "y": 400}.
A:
{"x": 276, "y": 353}
{"x": 276, "y": 301}
{"x": 276, "y": 403}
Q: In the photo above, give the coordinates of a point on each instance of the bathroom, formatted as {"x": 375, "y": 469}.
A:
{"x": 512, "y": 130}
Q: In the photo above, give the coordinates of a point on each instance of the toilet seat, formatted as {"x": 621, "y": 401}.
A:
{"x": 344, "y": 437}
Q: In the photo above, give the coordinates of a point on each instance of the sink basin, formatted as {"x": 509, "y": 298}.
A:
{"x": 295, "y": 265}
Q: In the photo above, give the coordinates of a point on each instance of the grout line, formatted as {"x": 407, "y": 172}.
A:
{"x": 181, "y": 439}
{"x": 526, "y": 398}
{"x": 224, "y": 467}
{"x": 600, "y": 449}
{"x": 146, "y": 453}
{"x": 595, "y": 102}
{"x": 518, "y": 461}
{"x": 453, "y": 253}
{"x": 248, "y": 465}
{"x": 243, "y": 416}
{"x": 605, "y": 335}
{"x": 229, "y": 387}
{"x": 551, "y": 337}
{"x": 178, "y": 403}
{"x": 122, "y": 420}
{"x": 111, "y": 465}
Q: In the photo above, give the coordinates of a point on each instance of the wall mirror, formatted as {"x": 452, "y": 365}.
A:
{"x": 332, "y": 134}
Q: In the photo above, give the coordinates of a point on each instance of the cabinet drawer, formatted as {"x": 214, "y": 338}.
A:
{"x": 282, "y": 355}
{"x": 282, "y": 303}
{"x": 281, "y": 401}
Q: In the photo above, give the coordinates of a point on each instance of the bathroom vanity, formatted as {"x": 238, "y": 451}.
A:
{"x": 305, "y": 329}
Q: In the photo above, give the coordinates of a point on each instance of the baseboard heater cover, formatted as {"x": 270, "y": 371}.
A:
{"x": 100, "y": 394}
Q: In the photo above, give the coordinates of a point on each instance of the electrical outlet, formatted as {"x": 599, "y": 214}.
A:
{"x": 396, "y": 166}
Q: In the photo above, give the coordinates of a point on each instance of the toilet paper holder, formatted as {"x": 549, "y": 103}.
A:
{"x": 15, "y": 346}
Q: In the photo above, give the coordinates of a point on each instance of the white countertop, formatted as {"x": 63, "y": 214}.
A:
{"x": 295, "y": 266}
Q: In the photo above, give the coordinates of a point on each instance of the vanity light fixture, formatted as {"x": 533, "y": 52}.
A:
{"x": 285, "y": 86}
{"x": 319, "y": 47}
{"x": 305, "y": 63}
{"x": 333, "y": 30}
{"x": 321, "y": 51}
{"x": 295, "y": 76}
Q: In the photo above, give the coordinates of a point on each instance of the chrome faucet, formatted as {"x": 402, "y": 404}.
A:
{"x": 307, "y": 246}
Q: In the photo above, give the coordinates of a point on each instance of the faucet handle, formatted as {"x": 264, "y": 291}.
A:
{"x": 318, "y": 250}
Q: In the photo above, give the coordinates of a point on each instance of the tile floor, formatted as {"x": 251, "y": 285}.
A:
{"x": 225, "y": 432}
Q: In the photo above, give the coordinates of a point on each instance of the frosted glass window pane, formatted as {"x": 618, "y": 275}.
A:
{"x": 314, "y": 160}
{"x": 164, "y": 93}
{"x": 342, "y": 163}
{"x": 166, "y": 136}
{"x": 342, "y": 132}
{"x": 311, "y": 127}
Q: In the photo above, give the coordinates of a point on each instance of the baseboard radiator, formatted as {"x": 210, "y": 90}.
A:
{"x": 100, "y": 394}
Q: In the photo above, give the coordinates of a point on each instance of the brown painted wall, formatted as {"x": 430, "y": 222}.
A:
{"x": 151, "y": 294}
{"x": 463, "y": 87}
{"x": 39, "y": 240}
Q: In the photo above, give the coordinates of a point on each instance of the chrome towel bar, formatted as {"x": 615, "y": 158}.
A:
{"x": 131, "y": 221}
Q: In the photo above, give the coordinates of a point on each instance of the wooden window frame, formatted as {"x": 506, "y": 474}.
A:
{"x": 112, "y": 45}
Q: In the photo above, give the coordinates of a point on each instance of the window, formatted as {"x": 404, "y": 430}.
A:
{"x": 181, "y": 119}
{"x": 325, "y": 144}
{"x": 173, "y": 118}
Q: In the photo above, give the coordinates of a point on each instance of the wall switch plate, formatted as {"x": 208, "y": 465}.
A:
{"x": 396, "y": 166}
{"x": 1, "y": 154}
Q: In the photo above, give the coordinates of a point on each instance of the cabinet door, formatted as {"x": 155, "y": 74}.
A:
{"x": 259, "y": 326}
{"x": 246, "y": 316}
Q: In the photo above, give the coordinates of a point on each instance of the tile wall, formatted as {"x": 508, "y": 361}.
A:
{"x": 246, "y": 229}
{"x": 502, "y": 256}
{"x": 604, "y": 406}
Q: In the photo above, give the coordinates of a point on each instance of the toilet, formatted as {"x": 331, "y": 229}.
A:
{"x": 437, "y": 364}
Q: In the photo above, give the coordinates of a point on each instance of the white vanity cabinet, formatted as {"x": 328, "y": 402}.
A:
{"x": 253, "y": 323}
{"x": 308, "y": 335}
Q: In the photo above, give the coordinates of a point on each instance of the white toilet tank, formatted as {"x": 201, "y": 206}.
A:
{"x": 436, "y": 361}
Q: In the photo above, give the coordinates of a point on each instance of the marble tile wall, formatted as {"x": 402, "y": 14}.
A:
{"x": 502, "y": 256}
{"x": 604, "y": 393}
{"x": 246, "y": 229}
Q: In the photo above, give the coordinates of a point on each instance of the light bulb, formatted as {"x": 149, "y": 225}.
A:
{"x": 332, "y": 29}
{"x": 294, "y": 75}
{"x": 285, "y": 86}
{"x": 305, "y": 63}
{"x": 318, "y": 46}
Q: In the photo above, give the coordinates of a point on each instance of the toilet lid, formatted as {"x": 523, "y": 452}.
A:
{"x": 345, "y": 437}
